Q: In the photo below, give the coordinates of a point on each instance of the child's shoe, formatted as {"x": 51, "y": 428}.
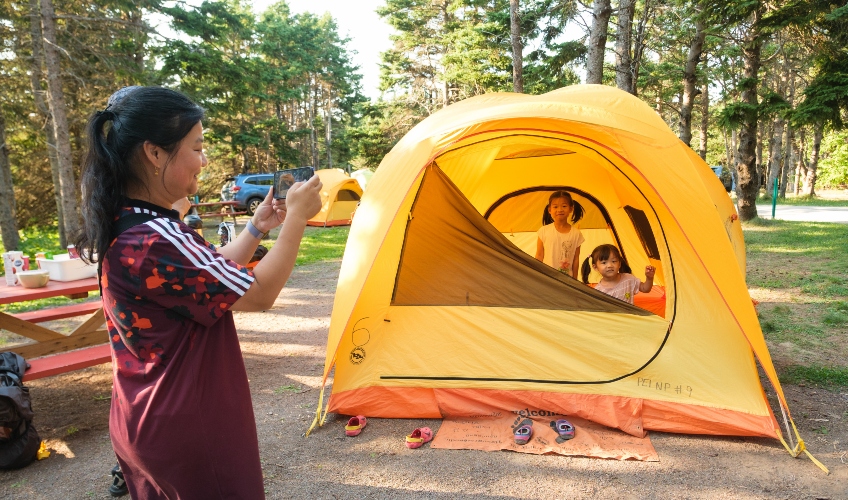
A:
{"x": 355, "y": 425}
{"x": 419, "y": 437}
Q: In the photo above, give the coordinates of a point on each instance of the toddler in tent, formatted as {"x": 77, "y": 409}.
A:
{"x": 558, "y": 243}
{"x": 616, "y": 279}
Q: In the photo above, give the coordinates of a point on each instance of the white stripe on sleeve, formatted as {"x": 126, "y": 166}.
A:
{"x": 200, "y": 256}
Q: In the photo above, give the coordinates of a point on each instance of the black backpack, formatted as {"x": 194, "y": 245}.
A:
{"x": 19, "y": 441}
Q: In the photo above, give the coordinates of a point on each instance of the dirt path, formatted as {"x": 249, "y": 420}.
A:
{"x": 284, "y": 353}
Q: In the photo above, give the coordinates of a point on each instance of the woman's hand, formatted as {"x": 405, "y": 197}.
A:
{"x": 270, "y": 213}
{"x": 303, "y": 200}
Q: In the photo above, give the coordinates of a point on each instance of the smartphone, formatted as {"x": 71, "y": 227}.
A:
{"x": 284, "y": 179}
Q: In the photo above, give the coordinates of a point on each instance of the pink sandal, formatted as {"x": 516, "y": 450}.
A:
{"x": 419, "y": 437}
{"x": 355, "y": 425}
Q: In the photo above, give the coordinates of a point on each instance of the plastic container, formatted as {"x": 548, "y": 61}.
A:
{"x": 63, "y": 268}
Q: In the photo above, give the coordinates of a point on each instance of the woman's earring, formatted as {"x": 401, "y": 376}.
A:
{"x": 156, "y": 171}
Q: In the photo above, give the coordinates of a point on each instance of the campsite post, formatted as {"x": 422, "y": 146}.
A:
{"x": 774, "y": 199}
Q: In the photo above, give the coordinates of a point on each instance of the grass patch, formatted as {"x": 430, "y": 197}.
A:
{"x": 819, "y": 375}
{"x": 806, "y": 255}
{"x": 294, "y": 389}
{"x": 779, "y": 324}
{"x": 804, "y": 201}
{"x": 321, "y": 244}
{"x": 835, "y": 318}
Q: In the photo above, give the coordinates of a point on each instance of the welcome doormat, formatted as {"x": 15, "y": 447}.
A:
{"x": 496, "y": 433}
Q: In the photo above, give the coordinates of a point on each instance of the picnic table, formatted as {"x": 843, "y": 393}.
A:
{"x": 65, "y": 348}
{"x": 222, "y": 209}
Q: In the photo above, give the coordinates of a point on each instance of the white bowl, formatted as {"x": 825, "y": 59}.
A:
{"x": 33, "y": 279}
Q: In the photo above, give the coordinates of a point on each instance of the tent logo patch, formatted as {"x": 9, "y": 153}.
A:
{"x": 359, "y": 337}
{"x": 357, "y": 355}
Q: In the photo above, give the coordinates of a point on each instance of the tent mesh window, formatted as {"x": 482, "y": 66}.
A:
{"x": 643, "y": 229}
{"x": 347, "y": 195}
{"x": 453, "y": 256}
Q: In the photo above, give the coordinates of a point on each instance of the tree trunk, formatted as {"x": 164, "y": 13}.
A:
{"x": 639, "y": 45}
{"x": 623, "y": 45}
{"x": 689, "y": 80}
{"x": 705, "y": 119}
{"x": 810, "y": 180}
{"x": 788, "y": 163}
{"x": 517, "y": 57}
{"x": 728, "y": 161}
{"x": 800, "y": 164}
{"x": 8, "y": 224}
{"x": 44, "y": 111}
{"x": 748, "y": 182}
{"x": 601, "y": 12}
{"x": 316, "y": 162}
{"x": 760, "y": 134}
{"x": 67, "y": 185}
{"x": 329, "y": 130}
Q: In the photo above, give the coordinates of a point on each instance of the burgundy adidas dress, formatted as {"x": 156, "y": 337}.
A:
{"x": 181, "y": 421}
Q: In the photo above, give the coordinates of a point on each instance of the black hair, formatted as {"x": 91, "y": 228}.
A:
{"x": 576, "y": 214}
{"x": 112, "y": 165}
{"x": 602, "y": 252}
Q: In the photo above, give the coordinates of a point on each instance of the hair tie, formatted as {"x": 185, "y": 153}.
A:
{"x": 109, "y": 115}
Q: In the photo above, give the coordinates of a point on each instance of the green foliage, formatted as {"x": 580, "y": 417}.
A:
{"x": 833, "y": 167}
{"x": 270, "y": 84}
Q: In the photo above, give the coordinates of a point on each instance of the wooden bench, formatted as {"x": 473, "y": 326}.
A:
{"x": 70, "y": 311}
{"x": 56, "y": 364}
{"x": 225, "y": 209}
{"x": 222, "y": 215}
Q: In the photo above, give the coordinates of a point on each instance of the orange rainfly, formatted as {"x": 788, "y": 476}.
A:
{"x": 441, "y": 255}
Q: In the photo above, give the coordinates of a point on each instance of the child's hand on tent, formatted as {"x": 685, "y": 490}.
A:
{"x": 649, "y": 272}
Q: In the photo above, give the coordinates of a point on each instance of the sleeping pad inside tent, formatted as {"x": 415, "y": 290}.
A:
{"x": 442, "y": 310}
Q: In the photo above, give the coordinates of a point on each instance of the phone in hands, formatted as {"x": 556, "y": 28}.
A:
{"x": 284, "y": 179}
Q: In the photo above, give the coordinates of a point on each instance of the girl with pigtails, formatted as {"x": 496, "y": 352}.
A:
{"x": 181, "y": 418}
{"x": 558, "y": 242}
{"x": 616, "y": 280}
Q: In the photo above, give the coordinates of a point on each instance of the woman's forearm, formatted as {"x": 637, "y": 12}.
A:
{"x": 240, "y": 249}
{"x": 272, "y": 272}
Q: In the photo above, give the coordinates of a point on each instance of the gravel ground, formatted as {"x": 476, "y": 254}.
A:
{"x": 284, "y": 354}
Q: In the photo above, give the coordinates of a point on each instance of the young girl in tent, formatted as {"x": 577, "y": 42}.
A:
{"x": 559, "y": 241}
{"x": 616, "y": 279}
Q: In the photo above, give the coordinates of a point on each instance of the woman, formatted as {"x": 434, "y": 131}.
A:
{"x": 181, "y": 420}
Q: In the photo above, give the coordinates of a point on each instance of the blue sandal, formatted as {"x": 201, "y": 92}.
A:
{"x": 564, "y": 428}
{"x": 522, "y": 431}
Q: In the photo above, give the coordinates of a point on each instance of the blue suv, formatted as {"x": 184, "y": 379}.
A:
{"x": 247, "y": 190}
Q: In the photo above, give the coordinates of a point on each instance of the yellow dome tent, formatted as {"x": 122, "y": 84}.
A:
{"x": 339, "y": 198}
{"x": 442, "y": 310}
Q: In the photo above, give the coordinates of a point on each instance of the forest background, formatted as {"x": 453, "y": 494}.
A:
{"x": 758, "y": 87}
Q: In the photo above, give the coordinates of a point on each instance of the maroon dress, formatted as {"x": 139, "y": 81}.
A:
{"x": 181, "y": 421}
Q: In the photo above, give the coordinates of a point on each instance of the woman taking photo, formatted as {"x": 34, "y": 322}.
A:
{"x": 181, "y": 420}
